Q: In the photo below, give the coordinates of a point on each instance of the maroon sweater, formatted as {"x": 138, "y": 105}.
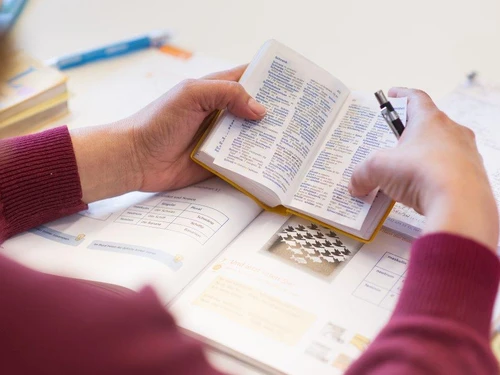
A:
{"x": 53, "y": 325}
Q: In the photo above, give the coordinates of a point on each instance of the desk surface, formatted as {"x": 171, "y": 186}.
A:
{"x": 367, "y": 44}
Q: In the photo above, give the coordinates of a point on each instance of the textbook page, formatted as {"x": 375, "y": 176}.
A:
{"x": 359, "y": 130}
{"x": 162, "y": 239}
{"x": 476, "y": 106}
{"x": 294, "y": 297}
{"x": 301, "y": 100}
{"x": 405, "y": 220}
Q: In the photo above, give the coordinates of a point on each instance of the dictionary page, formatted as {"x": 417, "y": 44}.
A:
{"x": 292, "y": 297}
{"x": 359, "y": 130}
{"x": 162, "y": 239}
{"x": 302, "y": 100}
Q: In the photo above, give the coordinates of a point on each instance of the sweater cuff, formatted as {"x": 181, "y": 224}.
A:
{"x": 39, "y": 180}
{"x": 453, "y": 278}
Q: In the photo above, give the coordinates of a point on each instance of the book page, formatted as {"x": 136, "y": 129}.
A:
{"x": 295, "y": 297}
{"x": 405, "y": 220}
{"x": 358, "y": 131}
{"x": 476, "y": 106}
{"x": 301, "y": 100}
{"x": 162, "y": 239}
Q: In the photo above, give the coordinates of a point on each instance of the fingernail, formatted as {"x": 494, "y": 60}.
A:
{"x": 349, "y": 188}
{"x": 256, "y": 107}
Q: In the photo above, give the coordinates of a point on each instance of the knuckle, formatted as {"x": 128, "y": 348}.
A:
{"x": 440, "y": 117}
{"x": 468, "y": 133}
{"x": 376, "y": 160}
{"x": 187, "y": 84}
{"x": 420, "y": 93}
{"x": 232, "y": 92}
{"x": 421, "y": 97}
{"x": 189, "y": 90}
{"x": 232, "y": 87}
{"x": 437, "y": 118}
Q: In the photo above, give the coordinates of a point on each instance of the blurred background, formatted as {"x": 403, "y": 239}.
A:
{"x": 367, "y": 44}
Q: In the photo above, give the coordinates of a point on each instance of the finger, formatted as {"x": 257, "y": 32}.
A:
{"x": 418, "y": 100}
{"x": 233, "y": 74}
{"x": 376, "y": 171}
{"x": 210, "y": 95}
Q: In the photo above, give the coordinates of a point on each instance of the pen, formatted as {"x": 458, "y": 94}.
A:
{"x": 154, "y": 39}
{"x": 389, "y": 114}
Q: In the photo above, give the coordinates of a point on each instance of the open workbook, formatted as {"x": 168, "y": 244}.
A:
{"x": 278, "y": 292}
{"x": 300, "y": 157}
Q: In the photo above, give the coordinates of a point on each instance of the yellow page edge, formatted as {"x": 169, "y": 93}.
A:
{"x": 34, "y": 110}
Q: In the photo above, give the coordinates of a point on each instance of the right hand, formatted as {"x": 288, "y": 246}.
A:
{"x": 436, "y": 169}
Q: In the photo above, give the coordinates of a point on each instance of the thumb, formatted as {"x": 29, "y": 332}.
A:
{"x": 376, "y": 171}
{"x": 210, "y": 95}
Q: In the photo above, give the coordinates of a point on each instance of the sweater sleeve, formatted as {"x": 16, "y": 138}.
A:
{"x": 441, "y": 324}
{"x": 54, "y": 325}
{"x": 39, "y": 181}
{"x": 49, "y": 324}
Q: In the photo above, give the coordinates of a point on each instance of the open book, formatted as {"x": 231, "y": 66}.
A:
{"x": 280, "y": 293}
{"x": 273, "y": 301}
{"x": 300, "y": 157}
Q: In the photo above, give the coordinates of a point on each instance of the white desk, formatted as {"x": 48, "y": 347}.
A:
{"x": 368, "y": 44}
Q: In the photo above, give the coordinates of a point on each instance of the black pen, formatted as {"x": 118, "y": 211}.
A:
{"x": 389, "y": 114}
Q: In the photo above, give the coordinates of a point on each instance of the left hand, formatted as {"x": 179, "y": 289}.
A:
{"x": 150, "y": 150}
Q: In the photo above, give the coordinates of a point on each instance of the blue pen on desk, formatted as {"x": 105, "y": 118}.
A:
{"x": 154, "y": 39}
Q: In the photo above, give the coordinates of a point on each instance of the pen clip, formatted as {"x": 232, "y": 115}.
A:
{"x": 385, "y": 114}
{"x": 389, "y": 117}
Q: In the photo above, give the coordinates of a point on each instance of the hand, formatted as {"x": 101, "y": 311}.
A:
{"x": 435, "y": 169}
{"x": 164, "y": 130}
{"x": 150, "y": 150}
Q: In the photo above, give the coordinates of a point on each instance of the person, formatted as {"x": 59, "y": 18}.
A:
{"x": 54, "y": 325}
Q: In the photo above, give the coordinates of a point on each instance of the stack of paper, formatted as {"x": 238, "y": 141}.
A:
{"x": 32, "y": 95}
